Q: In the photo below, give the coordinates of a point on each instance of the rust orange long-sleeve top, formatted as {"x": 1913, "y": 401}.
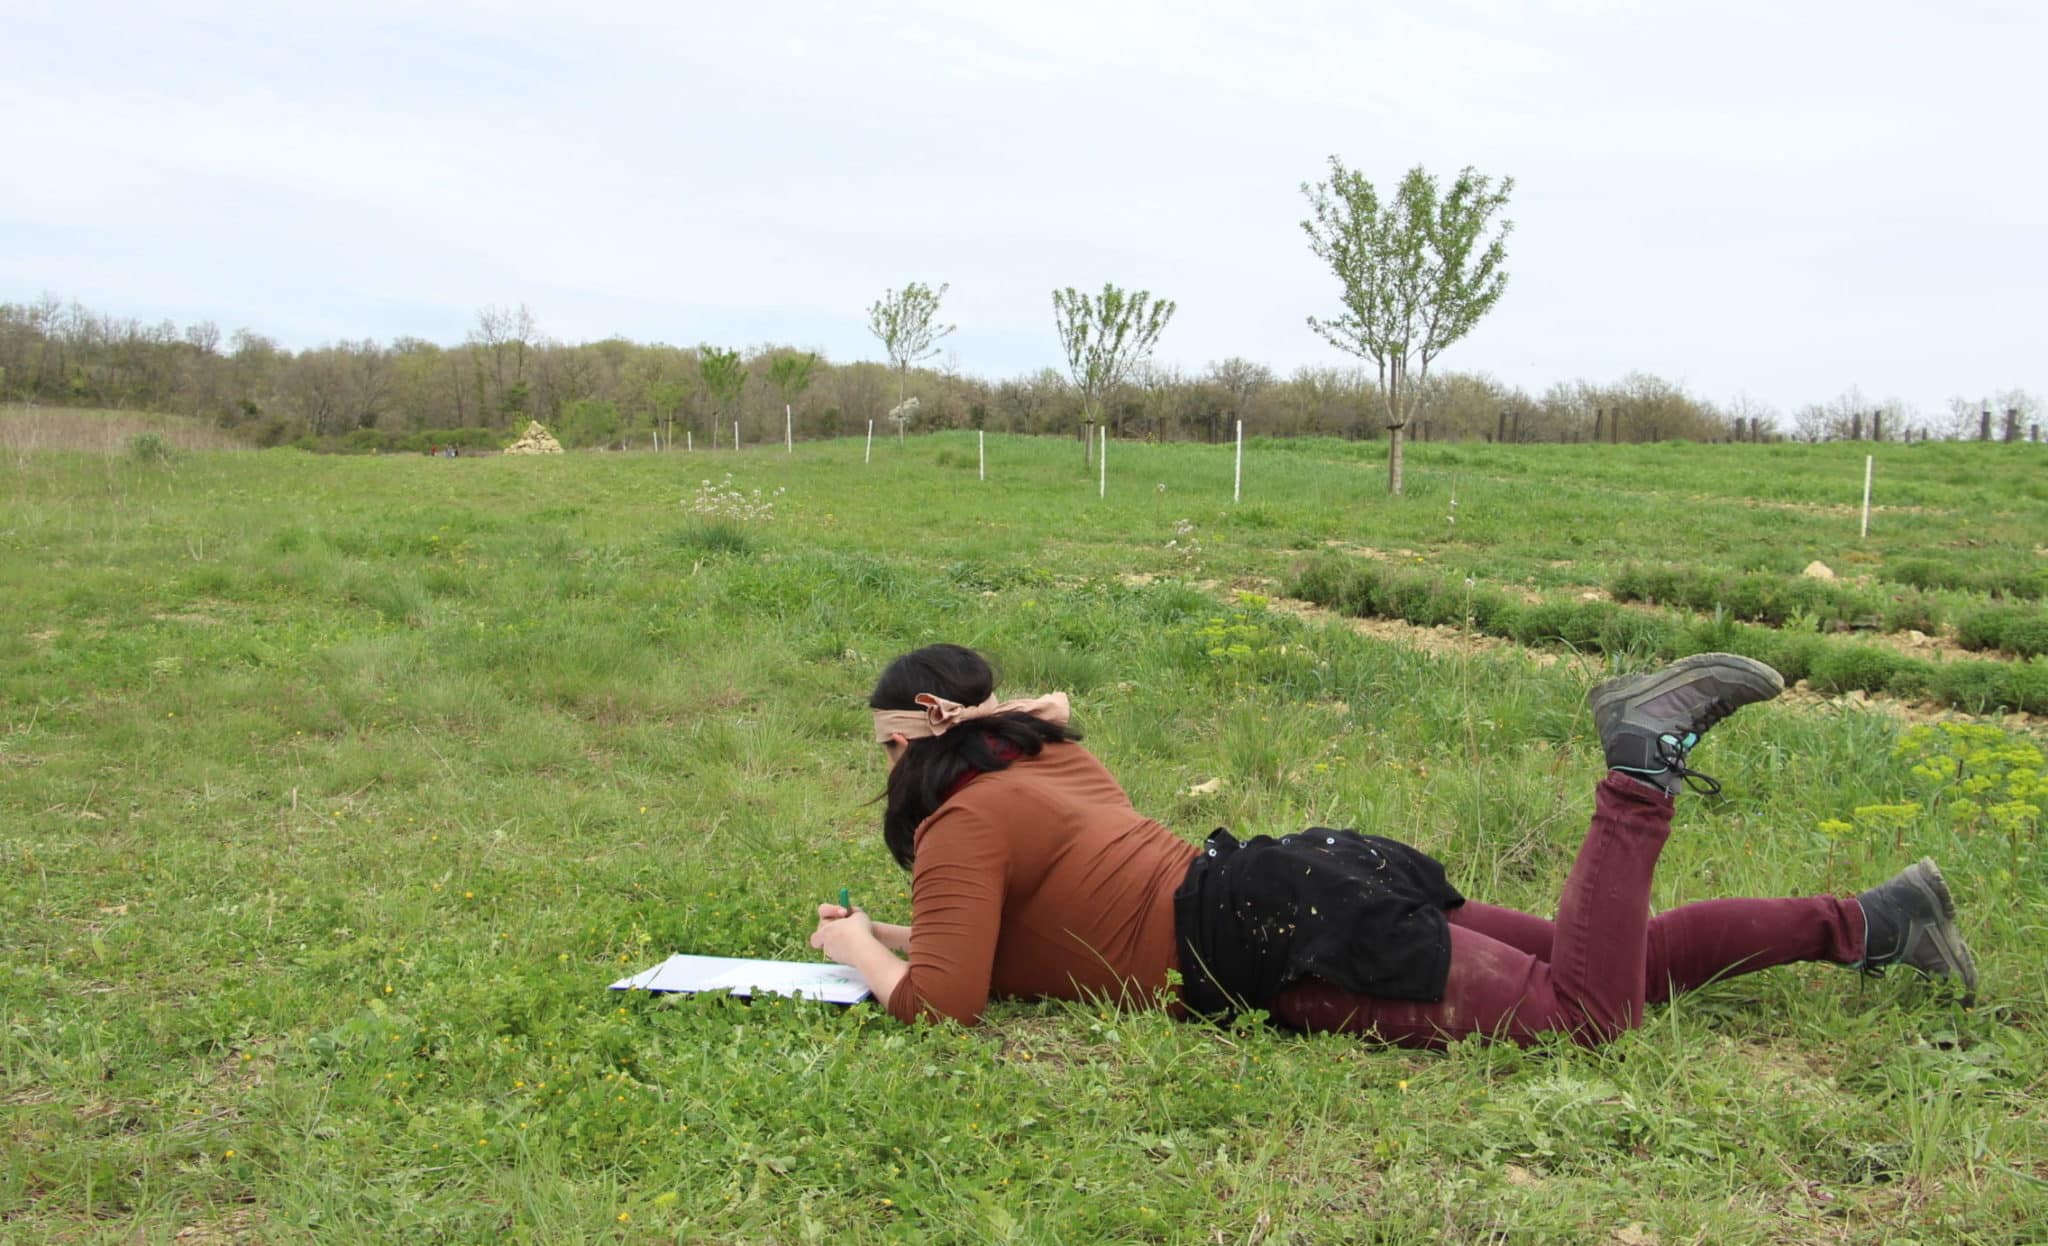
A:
{"x": 1040, "y": 881}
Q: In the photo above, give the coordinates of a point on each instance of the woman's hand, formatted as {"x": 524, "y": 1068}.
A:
{"x": 843, "y": 934}
{"x": 848, "y": 937}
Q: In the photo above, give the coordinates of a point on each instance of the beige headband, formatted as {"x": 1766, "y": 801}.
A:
{"x": 940, "y": 715}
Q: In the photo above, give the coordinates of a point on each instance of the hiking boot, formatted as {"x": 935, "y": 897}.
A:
{"x": 1911, "y": 921}
{"x": 1648, "y": 723}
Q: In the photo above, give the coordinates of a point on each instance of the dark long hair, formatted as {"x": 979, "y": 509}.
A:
{"x": 929, "y": 767}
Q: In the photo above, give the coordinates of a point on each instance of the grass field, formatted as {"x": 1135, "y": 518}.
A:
{"x": 334, "y": 790}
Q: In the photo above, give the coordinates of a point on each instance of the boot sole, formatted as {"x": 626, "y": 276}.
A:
{"x": 1948, "y": 941}
{"x": 1681, "y": 672}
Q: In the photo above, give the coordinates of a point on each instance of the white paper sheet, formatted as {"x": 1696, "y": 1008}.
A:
{"x": 836, "y": 984}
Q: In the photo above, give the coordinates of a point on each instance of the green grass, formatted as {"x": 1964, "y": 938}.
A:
{"x": 333, "y": 791}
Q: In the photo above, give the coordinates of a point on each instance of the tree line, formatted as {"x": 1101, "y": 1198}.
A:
{"x": 362, "y": 394}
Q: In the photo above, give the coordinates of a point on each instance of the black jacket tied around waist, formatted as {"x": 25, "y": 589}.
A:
{"x": 1358, "y": 911}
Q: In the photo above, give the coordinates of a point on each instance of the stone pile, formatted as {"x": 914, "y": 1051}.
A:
{"x": 535, "y": 440}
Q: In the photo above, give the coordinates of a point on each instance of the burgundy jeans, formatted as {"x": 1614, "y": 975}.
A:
{"x": 1589, "y": 973}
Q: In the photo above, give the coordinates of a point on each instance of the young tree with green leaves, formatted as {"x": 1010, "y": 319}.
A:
{"x": 588, "y": 422}
{"x": 1106, "y": 337}
{"x": 724, "y": 376}
{"x": 1417, "y": 272}
{"x": 664, "y": 399}
{"x": 791, "y": 375}
{"x": 905, "y": 323}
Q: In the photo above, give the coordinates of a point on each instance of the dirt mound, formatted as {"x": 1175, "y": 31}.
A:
{"x": 535, "y": 440}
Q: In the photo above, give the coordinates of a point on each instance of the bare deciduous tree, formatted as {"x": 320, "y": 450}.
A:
{"x": 1241, "y": 379}
{"x": 1754, "y": 419}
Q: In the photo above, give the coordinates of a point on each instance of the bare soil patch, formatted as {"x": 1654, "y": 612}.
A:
{"x": 1820, "y": 508}
{"x": 1367, "y": 551}
{"x": 242, "y": 1225}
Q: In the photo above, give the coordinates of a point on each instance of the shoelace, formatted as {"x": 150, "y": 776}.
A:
{"x": 1671, "y": 751}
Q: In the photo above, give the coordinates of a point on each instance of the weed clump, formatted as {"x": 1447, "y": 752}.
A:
{"x": 719, "y": 537}
{"x": 149, "y": 448}
{"x": 1637, "y": 633}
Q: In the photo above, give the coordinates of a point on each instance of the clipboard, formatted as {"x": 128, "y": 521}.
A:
{"x": 744, "y": 978}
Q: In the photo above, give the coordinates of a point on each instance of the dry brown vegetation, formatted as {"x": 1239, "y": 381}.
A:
{"x": 30, "y": 429}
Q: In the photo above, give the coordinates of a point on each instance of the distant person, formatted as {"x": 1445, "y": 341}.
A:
{"x": 1033, "y": 877}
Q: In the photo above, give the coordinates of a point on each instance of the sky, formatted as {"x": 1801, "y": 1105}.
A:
{"x": 1770, "y": 201}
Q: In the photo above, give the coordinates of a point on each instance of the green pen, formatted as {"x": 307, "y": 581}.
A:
{"x": 845, "y": 900}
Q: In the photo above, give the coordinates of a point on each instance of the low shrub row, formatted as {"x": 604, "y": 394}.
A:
{"x": 2011, "y": 576}
{"x": 1830, "y": 665}
{"x": 1761, "y": 597}
{"x": 1764, "y": 597}
{"x": 2015, "y": 629}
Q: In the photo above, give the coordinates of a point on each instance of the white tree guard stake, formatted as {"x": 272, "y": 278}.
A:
{"x": 735, "y": 434}
{"x": 689, "y": 441}
{"x": 1237, "y": 484}
{"x": 980, "y": 454}
{"x": 788, "y": 430}
{"x": 1102, "y": 462}
{"x": 1868, "y": 461}
{"x": 870, "y": 455}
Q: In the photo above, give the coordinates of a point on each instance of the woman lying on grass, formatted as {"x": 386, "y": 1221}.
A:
{"x": 1032, "y": 877}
